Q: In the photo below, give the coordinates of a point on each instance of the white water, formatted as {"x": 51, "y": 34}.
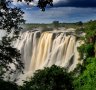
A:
{"x": 43, "y": 49}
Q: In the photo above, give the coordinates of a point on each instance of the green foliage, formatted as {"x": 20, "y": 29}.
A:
{"x": 90, "y": 30}
{"x": 41, "y": 3}
{"x": 91, "y": 25}
{"x": 10, "y": 21}
{"x": 87, "y": 70}
{"x": 80, "y": 23}
{"x": 56, "y": 24}
{"x": 87, "y": 80}
{"x": 6, "y": 85}
{"x": 86, "y": 50}
{"x": 53, "y": 78}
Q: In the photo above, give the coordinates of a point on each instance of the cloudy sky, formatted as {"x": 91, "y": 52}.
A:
{"x": 63, "y": 11}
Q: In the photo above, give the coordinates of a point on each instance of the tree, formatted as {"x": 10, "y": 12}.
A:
{"x": 80, "y": 23}
{"x": 86, "y": 50}
{"x": 41, "y": 3}
{"x": 6, "y": 85}
{"x": 56, "y": 24}
{"x": 87, "y": 80}
{"x": 10, "y": 20}
{"x": 50, "y": 78}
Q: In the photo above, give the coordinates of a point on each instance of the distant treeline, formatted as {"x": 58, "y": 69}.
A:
{"x": 56, "y": 24}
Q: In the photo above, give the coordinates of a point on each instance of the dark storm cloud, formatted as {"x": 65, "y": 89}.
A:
{"x": 76, "y": 3}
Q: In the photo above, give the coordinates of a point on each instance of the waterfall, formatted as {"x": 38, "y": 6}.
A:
{"x": 43, "y": 49}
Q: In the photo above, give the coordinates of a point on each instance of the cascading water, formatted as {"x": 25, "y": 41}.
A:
{"x": 43, "y": 49}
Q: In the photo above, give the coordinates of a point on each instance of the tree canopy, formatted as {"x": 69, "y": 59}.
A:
{"x": 10, "y": 21}
{"x": 50, "y": 78}
{"x": 87, "y": 80}
{"x": 41, "y": 3}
